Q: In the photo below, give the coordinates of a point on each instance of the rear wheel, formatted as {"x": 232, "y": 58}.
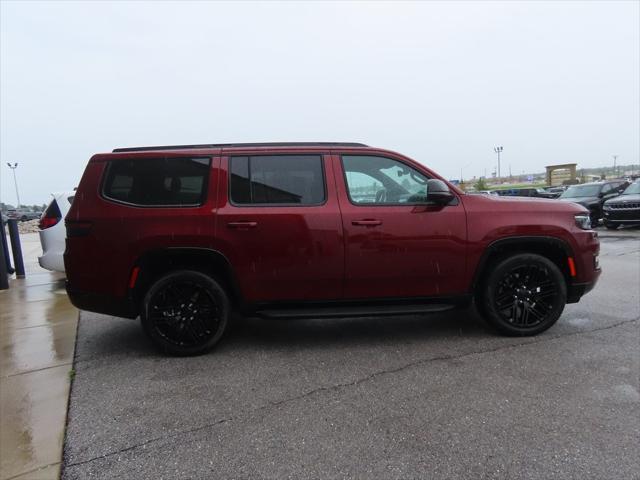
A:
{"x": 185, "y": 313}
{"x": 524, "y": 294}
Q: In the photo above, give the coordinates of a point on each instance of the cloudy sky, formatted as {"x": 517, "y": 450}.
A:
{"x": 552, "y": 82}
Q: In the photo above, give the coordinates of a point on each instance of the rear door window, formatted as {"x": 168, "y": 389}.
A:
{"x": 277, "y": 180}
{"x": 158, "y": 182}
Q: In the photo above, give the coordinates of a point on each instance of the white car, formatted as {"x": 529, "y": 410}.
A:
{"x": 53, "y": 232}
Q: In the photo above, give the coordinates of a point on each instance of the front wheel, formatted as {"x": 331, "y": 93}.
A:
{"x": 185, "y": 313}
{"x": 523, "y": 295}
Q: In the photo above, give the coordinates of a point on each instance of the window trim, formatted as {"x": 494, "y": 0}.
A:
{"x": 286, "y": 205}
{"x": 355, "y": 204}
{"x": 205, "y": 190}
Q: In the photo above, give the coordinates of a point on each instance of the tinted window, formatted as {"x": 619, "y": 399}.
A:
{"x": 158, "y": 181}
{"x": 382, "y": 181}
{"x": 581, "y": 191}
{"x": 632, "y": 189}
{"x": 277, "y": 179}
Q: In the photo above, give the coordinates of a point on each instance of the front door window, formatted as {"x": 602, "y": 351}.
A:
{"x": 373, "y": 180}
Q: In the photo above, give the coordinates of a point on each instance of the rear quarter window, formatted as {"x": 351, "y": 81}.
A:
{"x": 157, "y": 182}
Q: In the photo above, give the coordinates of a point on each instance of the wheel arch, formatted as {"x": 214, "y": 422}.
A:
{"x": 553, "y": 248}
{"x": 152, "y": 265}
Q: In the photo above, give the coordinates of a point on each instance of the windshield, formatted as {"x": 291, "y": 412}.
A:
{"x": 582, "y": 191}
{"x": 632, "y": 189}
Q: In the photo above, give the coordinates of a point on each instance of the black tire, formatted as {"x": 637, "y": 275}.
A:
{"x": 185, "y": 313}
{"x": 611, "y": 226}
{"x": 595, "y": 218}
{"x": 523, "y": 295}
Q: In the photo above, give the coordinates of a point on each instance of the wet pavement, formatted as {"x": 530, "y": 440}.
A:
{"x": 406, "y": 397}
{"x": 37, "y": 332}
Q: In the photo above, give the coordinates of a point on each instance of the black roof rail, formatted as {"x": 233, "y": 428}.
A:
{"x": 229, "y": 145}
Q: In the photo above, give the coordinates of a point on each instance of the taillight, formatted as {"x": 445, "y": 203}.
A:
{"x": 51, "y": 216}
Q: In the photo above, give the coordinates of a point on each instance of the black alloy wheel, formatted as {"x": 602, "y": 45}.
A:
{"x": 524, "y": 294}
{"x": 185, "y": 313}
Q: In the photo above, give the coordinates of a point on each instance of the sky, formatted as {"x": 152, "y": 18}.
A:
{"x": 441, "y": 82}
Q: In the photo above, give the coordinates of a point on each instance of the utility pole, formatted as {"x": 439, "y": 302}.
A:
{"x": 615, "y": 169}
{"x": 465, "y": 166}
{"x": 498, "y": 151}
{"x": 13, "y": 167}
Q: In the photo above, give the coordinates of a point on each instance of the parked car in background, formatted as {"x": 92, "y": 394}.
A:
{"x": 23, "y": 215}
{"x": 182, "y": 236}
{"x": 624, "y": 209}
{"x": 525, "y": 192}
{"x": 52, "y": 231}
{"x": 482, "y": 192}
{"x": 593, "y": 195}
{"x": 554, "y": 192}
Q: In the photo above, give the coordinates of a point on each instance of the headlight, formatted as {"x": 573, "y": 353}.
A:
{"x": 583, "y": 221}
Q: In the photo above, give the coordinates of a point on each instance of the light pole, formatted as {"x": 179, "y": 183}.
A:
{"x": 13, "y": 167}
{"x": 615, "y": 169}
{"x": 498, "y": 151}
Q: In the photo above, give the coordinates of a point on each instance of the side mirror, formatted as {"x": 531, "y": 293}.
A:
{"x": 438, "y": 192}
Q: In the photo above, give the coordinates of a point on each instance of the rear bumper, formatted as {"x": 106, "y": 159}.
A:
{"x": 100, "y": 303}
{"x": 51, "y": 261}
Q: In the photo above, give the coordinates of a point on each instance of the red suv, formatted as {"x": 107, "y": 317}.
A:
{"x": 184, "y": 235}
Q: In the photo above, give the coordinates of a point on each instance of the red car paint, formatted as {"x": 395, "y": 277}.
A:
{"x": 330, "y": 252}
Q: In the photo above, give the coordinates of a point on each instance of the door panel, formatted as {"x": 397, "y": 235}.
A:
{"x": 395, "y": 250}
{"x": 282, "y": 252}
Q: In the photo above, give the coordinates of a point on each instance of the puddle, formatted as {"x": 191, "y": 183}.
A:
{"x": 579, "y": 322}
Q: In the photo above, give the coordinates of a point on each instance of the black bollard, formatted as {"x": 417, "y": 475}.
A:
{"x": 5, "y": 251}
{"x": 4, "y": 274}
{"x": 14, "y": 235}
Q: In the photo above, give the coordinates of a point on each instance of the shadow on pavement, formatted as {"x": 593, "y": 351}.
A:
{"x": 115, "y": 336}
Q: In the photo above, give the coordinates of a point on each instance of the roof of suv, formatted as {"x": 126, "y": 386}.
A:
{"x": 599, "y": 183}
{"x": 240, "y": 145}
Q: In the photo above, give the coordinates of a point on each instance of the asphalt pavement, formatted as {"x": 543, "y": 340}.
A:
{"x": 436, "y": 396}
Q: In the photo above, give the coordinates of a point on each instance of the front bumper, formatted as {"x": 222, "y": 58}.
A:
{"x": 575, "y": 291}
{"x": 621, "y": 215}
